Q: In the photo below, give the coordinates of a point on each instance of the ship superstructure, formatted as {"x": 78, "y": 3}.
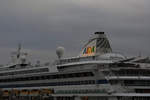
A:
{"x": 96, "y": 74}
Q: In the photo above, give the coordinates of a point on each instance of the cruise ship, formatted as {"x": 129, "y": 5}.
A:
{"x": 97, "y": 73}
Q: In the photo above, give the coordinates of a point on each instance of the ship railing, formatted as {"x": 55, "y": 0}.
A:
{"x": 77, "y": 59}
{"x": 9, "y": 68}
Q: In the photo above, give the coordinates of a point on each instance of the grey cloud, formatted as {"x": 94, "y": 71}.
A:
{"x": 45, "y": 24}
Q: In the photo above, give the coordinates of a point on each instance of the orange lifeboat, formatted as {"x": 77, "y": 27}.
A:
{"x": 35, "y": 92}
{"x": 24, "y": 92}
{"x": 6, "y": 93}
{"x": 47, "y": 91}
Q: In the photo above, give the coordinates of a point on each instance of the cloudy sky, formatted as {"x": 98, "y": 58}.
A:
{"x": 43, "y": 25}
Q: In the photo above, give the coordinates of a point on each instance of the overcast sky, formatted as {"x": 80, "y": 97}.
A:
{"x": 43, "y": 25}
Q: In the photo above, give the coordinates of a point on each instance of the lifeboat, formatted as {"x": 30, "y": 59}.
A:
{"x": 47, "y": 91}
{"x": 34, "y": 92}
{"x": 24, "y": 92}
{"x": 15, "y": 92}
{"x": 6, "y": 93}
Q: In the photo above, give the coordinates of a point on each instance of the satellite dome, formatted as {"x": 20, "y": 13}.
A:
{"x": 60, "y": 52}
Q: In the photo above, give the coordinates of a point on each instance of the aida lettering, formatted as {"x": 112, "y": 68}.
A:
{"x": 89, "y": 50}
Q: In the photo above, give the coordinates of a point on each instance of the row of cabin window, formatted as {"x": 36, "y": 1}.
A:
{"x": 142, "y": 90}
{"x": 133, "y": 98}
{"x": 86, "y": 82}
{"x": 24, "y": 72}
{"x": 137, "y": 82}
{"x": 131, "y": 72}
{"x": 133, "y": 82}
{"x": 46, "y": 77}
{"x": 81, "y": 91}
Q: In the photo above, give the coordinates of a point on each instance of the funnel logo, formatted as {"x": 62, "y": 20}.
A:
{"x": 89, "y": 50}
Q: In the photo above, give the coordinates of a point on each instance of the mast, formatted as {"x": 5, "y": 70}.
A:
{"x": 19, "y": 51}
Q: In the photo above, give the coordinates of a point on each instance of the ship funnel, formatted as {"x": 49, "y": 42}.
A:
{"x": 98, "y": 44}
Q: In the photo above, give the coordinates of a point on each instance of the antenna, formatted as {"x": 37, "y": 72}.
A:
{"x": 140, "y": 54}
{"x": 19, "y": 49}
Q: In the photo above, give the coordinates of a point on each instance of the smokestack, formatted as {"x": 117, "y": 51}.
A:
{"x": 99, "y": 32}
{"x": 97, "y": 44}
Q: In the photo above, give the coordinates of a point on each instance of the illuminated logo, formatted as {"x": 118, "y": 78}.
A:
{"x": 89, "y": 50}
